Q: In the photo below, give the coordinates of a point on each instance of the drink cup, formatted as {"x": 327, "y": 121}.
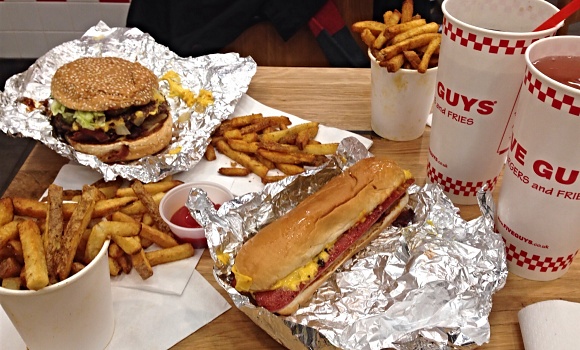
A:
{"x": 401, "y": 101}
{"x": 76, "y": 313}
{"x": 479, "y": 76}
{"x": 538, "y": 212}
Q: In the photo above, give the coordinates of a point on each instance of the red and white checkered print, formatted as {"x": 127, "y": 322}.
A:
{"x": 558, "y": 100}
{"x": 458, "y": 187}
{"x": 535, "y": 262}
{"x": 483, "y": 43}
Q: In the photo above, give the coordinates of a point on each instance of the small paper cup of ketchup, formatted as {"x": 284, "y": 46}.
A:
{"x": 173, "y": 210}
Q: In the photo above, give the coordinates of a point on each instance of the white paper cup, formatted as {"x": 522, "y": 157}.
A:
{"x": 76, "y": 313}
{"x": 401, "y": 101}
{"x": 480, "y": 72}
{"x": 538, "y": 212}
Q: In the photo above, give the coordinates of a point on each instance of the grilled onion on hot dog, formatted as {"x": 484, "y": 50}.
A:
{"x": 285, "y": 262}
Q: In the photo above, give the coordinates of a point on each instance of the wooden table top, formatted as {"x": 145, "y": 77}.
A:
{"x": 340, "y": 98}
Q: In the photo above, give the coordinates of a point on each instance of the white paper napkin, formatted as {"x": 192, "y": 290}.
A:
{"x": 147, "y": 320}
{"x": 551, "y": 324}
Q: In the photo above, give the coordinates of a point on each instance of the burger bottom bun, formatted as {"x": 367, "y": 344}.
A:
{"x": 126, "y": 150}
{"x": 306, "y": 294}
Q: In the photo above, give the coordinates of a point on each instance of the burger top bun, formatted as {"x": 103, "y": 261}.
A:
{"x": 103, "y": 83}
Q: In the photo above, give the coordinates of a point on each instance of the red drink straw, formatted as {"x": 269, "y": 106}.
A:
{"x": 559, "y": 16}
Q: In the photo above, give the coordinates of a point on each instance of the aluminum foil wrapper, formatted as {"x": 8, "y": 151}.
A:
{"x": 425, "y": 286}
{"x": 227, "y": 76}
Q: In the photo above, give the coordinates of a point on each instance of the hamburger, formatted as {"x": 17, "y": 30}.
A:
{"x": 285, "y": 262}
{"x": 109, "y": 107}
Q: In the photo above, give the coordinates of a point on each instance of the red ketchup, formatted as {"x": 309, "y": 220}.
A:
{"x": 182, "y": 217}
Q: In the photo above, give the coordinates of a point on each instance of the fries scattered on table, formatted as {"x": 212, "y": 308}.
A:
{"x": 261, "y": 145}
{"x": 402, "y": 40}
{"x": 42, "y": 243}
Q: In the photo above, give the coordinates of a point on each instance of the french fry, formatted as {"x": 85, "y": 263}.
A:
{"x": 243, "y": 146}
{"x": 115, "y": 251}
{"x": 52, "y": 238}
{"x": 408, "y": 44}
{"x": 8, "y": 232}
{"x": 265, "y": 123}
{"x": 375, "y": 27}
{"x": 151, "y": 188}
{"x": 393, "y": 19}
{"x": 125, "y": 262}
{"x": 426, "y": 28}
{"x": 76, "y": 267}
{"x": 394, "y": 63}
{"x": 243, "y": 159}
{"x": 402, "y": 27}
{"x": 272, "y": 178}
{"x": 413, "y": 58}
{"x": 142, "y": 265}
{"x": 70, "y": 195}
{"x": 151, "y": 206}
{"x": 290, "y": 169}
{"x": 406, "y": 11}
{"x": 234, "y": 171}
{"x": 210, "y": 153}
{"x": 237, "y": 122}
{"x": 138, "y": 208}
{"x": 6, "y": 211}
{"x": 369, "y": 38}
{"x": 35, "y": 270}
{"x": 29, "y": 207}
{"x": 433, "y": 45}
{"x": 130, "y": 245}
{"x": 288, "y": 158}
{"x": 12, "y": 283}
{"x": 9, "y": 267}
{"x": 233, "y": 134}
{"x": 162, "y": 256}
{"x": 321, "y": 149}
{"x": 160, "y": 238}
{"x": 114, "y": 267}
{"x": 74, "y": 230}
{"x": 277, "y": 135}
{"x": 95, "y": 242}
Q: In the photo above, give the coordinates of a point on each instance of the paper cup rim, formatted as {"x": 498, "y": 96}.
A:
{"x": 55, "y": 287}
{"x": 535, "y": 71}
{"x": 515, "y": 35}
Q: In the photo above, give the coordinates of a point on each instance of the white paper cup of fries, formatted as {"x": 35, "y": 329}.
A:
{"x": 481, "y": 65}
{"x": 401, "y": 101}
{"x": 76, "y": 313}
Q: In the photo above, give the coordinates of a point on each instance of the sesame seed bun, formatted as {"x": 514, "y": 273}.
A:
{"x": 103, "y": 83}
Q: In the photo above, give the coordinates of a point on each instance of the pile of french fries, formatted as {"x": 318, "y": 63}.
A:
{"x": 45, "y": 242}
{"x": 402, "y": 40}
{"x": 259, "y": 144}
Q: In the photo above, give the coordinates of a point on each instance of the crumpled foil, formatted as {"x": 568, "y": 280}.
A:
{"x": 425, "y": 286}
{"x": 227, "y": 76}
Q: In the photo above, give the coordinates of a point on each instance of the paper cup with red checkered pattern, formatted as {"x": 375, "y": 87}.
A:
{"x": 480, "y": 72}
{"x": 538, "y": 211}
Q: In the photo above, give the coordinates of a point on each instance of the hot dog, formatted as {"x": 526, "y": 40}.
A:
{"x": 286, "y": 261}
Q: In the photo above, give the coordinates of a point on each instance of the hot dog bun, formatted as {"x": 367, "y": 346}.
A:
{"x": 296, "y": 238}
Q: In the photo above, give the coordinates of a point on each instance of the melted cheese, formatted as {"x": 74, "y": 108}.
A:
{"x": 204, "y": 99}
{"x": 302, "y": 274}
{"x": 243, "y": 282}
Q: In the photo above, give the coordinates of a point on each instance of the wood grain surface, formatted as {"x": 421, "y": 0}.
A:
{"x": 340, "y": 98}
